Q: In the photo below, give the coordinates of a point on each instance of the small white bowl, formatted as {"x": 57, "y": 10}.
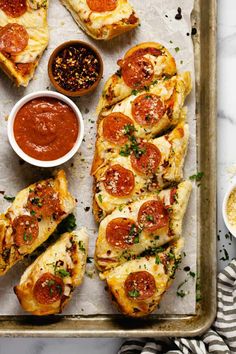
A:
{"x": 224, "y": 208}
{"x": 30, "y": 159}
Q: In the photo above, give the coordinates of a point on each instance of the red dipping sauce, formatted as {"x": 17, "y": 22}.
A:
{"x": 46, "y": 128}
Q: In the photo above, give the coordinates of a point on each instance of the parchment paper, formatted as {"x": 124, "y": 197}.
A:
{"x": 158, "y": 23}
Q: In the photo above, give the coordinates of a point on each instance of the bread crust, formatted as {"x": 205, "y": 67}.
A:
{"x": 58, "y": 252}
{"x": 15, "y": 75}
{"x": 10, "y": 254}
{"x": 106, "y": 32}
{"x": 115, "y": 88}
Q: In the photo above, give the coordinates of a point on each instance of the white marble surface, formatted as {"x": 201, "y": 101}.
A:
{"x": 226, "y": 169}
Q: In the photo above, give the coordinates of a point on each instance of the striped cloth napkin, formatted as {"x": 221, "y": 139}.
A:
{"x": 220, "y": 339}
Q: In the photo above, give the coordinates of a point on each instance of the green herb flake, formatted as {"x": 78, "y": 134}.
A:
{"x": 197, "y": 177}
{"x": 134, "y": 293}
{"x": 177, "y": 49}
{"x": 134, "y": 92}
{"x": 62, "y": 273}
{"x": 157, "y": 260}
{"x": 9, "y": 198}
{"x": 27, "y": 237}
{"x": 192, "y": 274}
{"x": 171, "y": 255}
{"x": 149, "y": 217}
{"x": 100, "y": 198}
{"x": 136, "y": 239}
{"x": 81, "y": 246}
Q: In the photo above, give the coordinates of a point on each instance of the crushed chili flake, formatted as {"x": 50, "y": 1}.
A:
{"x": 76, "y": 68}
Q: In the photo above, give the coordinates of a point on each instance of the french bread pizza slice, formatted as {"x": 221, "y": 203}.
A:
{"x": 23, "y": 37}
{"x": 105, "y": 19}
{"x": 47, "y": 284}
{"x": 33, "y": 216}
{"x": 144, "y": 115}
{"x": 141, "y": 67}
{"x": 137, "y": 286}
{"x": 140, "y": 167}
{"x": 142, "y": 226}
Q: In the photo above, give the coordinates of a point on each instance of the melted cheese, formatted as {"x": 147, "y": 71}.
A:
{"x": 46, "y": 226}
{"x": 172, "y": 151}
{"x": 100, "y": 19}
{"x": 35, "y": 22}
{"x": 108, "y": 256}
{"x": 116, "y": 279}
{"x": 46, "y": 264}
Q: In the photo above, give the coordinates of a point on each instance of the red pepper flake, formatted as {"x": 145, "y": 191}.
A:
{"x": 76, "y": 68}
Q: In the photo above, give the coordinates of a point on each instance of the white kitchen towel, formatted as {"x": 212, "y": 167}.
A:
{"x": 220, "y": 339}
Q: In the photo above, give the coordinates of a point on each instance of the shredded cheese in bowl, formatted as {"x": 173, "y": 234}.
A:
{"x": 231, "y": 208}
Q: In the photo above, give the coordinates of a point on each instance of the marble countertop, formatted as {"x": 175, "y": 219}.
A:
{"x": 226, "y": 171}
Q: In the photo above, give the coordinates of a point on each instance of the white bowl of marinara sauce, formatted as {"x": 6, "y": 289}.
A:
{"x": 45, "y": 128}
{"x": 229, "y": 208}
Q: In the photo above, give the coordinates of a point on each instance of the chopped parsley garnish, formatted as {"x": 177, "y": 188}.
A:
{"x": 134, "y": 293}
{"x": 134, "y": 92}
{"x": 50, "y": 282}
{"x": 197, "y": 177}
{"x": 158, "y": 260}
{"x": 192, "y": 274}
{"x": 27, "y": 237}
{"x": 129, "y": 129}
{"x": 62, "y": 272}
{"x": 81, "y": 246}
{"x": 133, "y": 146}
{"x": 149, "y": 217}
{"x": 9, "y": 198}
{"x": 134, "y": 232}
{"x": 171, "y": 255}
{"x": 100, "y": 198}
{"x": 177, "y": 49}
{"x": 32, "y": 212}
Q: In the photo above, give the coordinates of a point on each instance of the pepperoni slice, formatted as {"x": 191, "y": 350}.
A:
{"x": 147, "y": 109}
{"x": 13, "y": 38}
{"x": 149, "y": 50}
{"x": 25, "y": 230}
{"x": 48, "y": 289}
{"x": 114, "y": 128}
{"x": 140, "y": 285}
{"x": 43, "y": 201}
{"x": 137, "y": 71}
{"x": 119, "y": 181}
{"x": 122, "y": 233}
{"x": 13, "y": 8}
{"x": 148, "y": 161}
{"x": 153, "y": 215}
{"x": 102, "y": 6}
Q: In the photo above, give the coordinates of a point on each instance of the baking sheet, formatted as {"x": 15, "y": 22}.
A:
{"x": 158, "y": 24}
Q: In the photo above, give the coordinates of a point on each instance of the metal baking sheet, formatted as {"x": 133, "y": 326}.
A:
{"x": 204, "y": 20}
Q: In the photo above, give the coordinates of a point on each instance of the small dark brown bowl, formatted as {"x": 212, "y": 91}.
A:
{"x": 81, "y": 92}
